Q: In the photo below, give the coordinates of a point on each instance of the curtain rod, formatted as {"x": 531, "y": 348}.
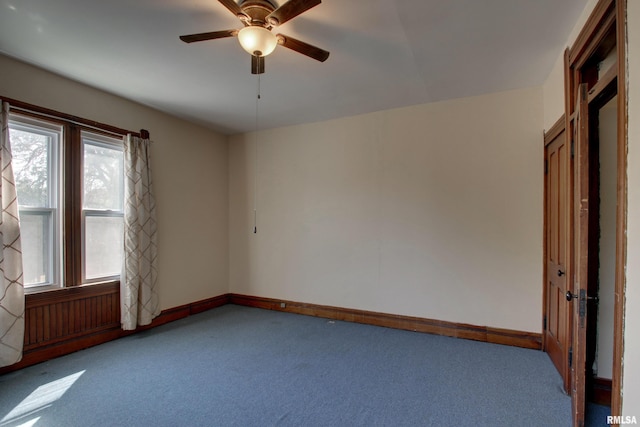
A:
{"x": 56, "y": 115}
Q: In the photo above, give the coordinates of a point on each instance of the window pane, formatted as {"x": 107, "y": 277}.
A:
{"x": 103, "y": 178}
{"x": 103, "y": 246}
{"x": 35, "y": 145}
{"x": 30, "y": 153}
{"x": 36, "y": 247}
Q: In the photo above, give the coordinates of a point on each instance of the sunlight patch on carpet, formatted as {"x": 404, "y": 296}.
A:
{"x": 41, "y": 398}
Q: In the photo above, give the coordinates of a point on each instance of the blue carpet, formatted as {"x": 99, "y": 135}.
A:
{"x": 596, "y": 415}
{"x": 239, "y": 366}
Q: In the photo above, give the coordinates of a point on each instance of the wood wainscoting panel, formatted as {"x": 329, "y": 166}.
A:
{"x": 510, "y": 337}
{"x": 64, "y": 314}
{"x": 63, "y": 321}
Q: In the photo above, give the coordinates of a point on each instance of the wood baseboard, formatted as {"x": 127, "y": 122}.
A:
{"x": 60, "y": 347}
{"x": 78, "y": 341}
{"x": 182, "y": 311}
{"x": 438, "y": 327}
{"x": 600, "y": 392}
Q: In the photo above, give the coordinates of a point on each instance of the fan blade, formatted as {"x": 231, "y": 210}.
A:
{"x": 257, "y": 64}
{"x": 303, "y": 48}
{"x": 290, "y": 10}
{"x": 208, "y": 36}
{"x": 233, "y": 8}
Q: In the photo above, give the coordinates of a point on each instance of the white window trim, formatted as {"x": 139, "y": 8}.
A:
{"x": 112, "y": 143}
{"x": 56, "y": 133}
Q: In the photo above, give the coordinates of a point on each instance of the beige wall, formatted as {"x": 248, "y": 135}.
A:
{"x": 190, "y": 178}
{"x": 432, "y": 211}
{"x": 631, "y": 380}
{"x": 608, "y": 128}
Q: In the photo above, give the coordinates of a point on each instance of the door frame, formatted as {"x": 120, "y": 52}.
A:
{"x": 606, "y": 25}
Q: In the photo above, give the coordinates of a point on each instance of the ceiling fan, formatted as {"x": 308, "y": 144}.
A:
{"x": 259, "y": 17}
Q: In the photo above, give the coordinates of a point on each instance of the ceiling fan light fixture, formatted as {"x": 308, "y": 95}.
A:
{"x": 257, "y": 39}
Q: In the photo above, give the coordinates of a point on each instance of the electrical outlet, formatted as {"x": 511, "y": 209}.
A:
{"x": 283, "y": 305}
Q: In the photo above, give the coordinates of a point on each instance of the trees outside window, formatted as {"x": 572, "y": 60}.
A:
{"x": 70, "y": 186}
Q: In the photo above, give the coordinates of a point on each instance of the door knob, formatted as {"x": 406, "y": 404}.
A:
{"x": 560, "y": 273}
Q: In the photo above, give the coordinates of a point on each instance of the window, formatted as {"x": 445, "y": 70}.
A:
{"x": 102, "y": 206}
{"x": 70, "y": 186}
{"x": 35, "y": 147}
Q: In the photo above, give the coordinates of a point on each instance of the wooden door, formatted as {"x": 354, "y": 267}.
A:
{"x": 557, "y": 320}
{"x": 604, "y": 30}
{"x": 578, "y": 296}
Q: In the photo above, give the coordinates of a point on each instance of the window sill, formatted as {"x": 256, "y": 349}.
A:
{"x": 40, "y": 289}
{"x": 48, "y": 295}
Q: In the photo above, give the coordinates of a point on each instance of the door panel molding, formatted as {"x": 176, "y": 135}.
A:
{"x": 557, "y": 208}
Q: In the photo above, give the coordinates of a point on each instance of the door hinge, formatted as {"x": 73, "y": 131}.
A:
{"x": 570, "y": 356}
{"x": 546, "y": 166}
{"x": 544, "y": 323}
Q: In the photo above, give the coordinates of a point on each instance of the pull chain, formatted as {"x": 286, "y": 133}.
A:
{"x": 255, "y": 167}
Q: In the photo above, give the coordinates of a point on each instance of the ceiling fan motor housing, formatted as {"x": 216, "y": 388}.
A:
{"x": 257, "y": 11}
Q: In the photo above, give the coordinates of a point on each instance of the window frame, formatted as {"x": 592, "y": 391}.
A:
{"x": 55, "y": 131}
{"x": 74, "y": 262}
{"x": 71, "y": 186}
{"x": 105, "y": 141}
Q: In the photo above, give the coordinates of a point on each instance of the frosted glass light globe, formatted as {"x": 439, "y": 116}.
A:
{"x": 257, "y": 39}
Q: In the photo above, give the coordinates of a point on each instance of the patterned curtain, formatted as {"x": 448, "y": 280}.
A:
{"x": 11, "y": 280}
{"x": 138, "y": 290}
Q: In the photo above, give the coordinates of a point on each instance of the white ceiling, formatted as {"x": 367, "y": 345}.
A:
{"x": 384, "y": 54}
